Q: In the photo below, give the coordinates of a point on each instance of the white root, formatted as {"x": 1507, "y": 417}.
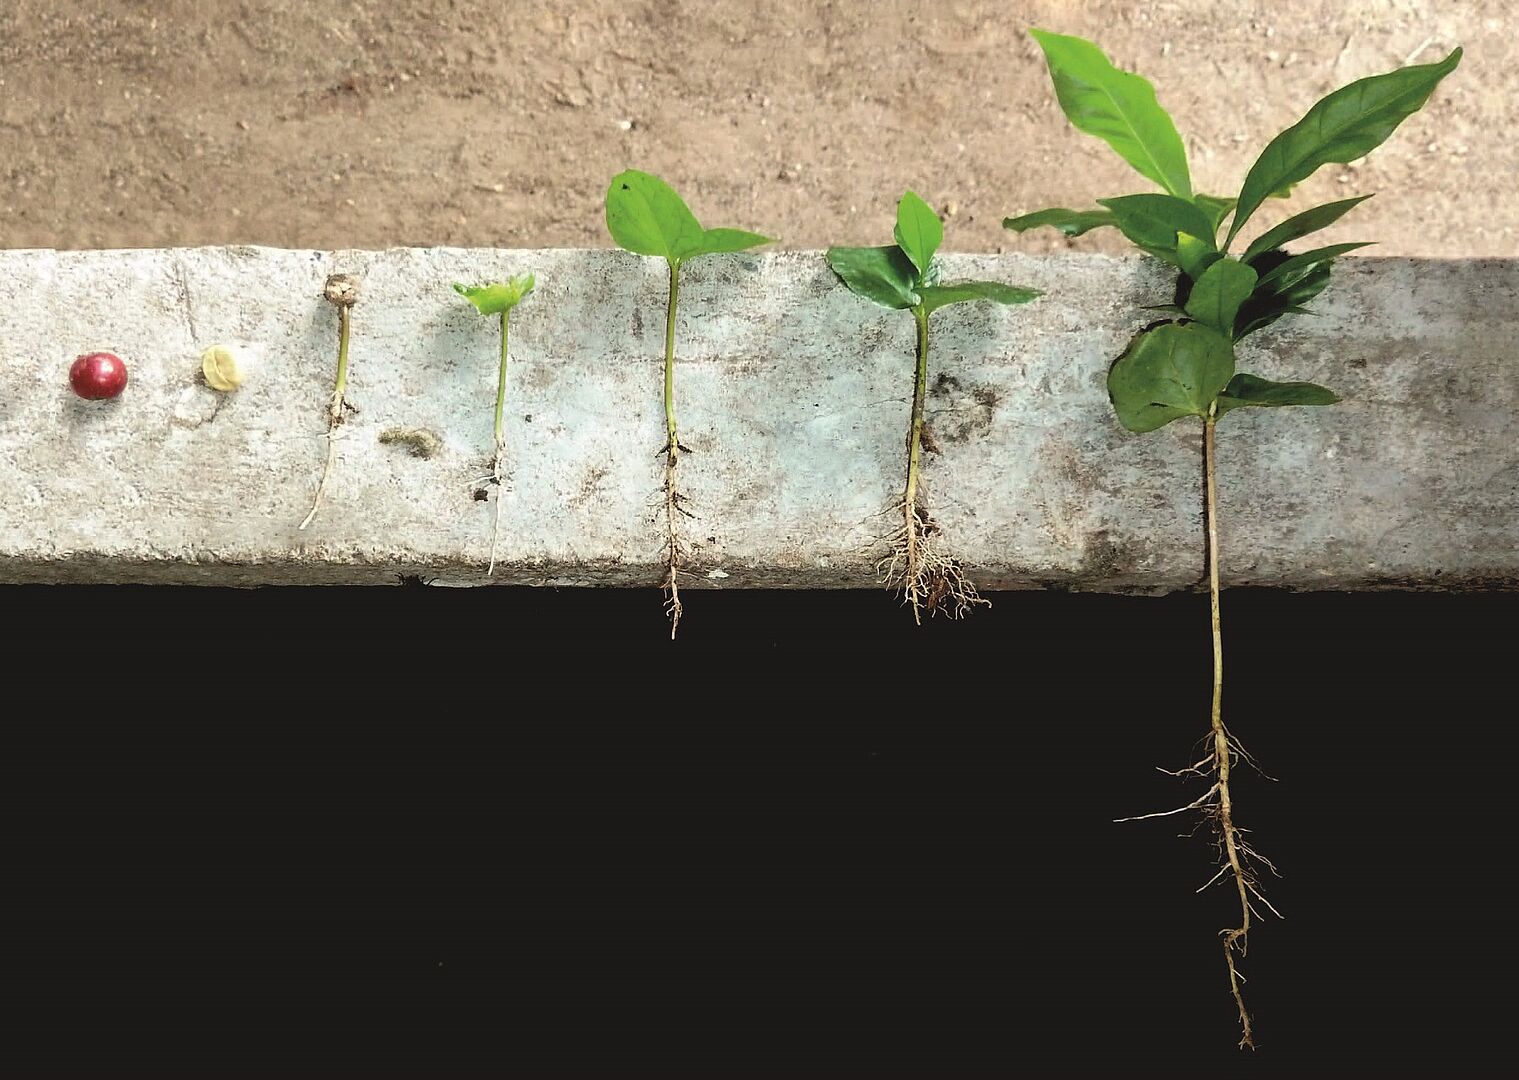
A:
{"x": 1193, "y": 805}
{"x": 1237, "y": 858}
{"x": 334, "y": 421}
{"x": 497, "y": 481}
{"x": 674, "y": 551}
{"x": 918, "y": 568}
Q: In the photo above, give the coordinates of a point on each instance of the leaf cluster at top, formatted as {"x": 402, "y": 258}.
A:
{"x": 1187, "y": 367}
{"x": 904, "y": 275}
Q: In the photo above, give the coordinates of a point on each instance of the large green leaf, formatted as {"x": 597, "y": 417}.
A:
{"x": 1195, "y": 255}
{"x": 1152, "y": 222}
{"x": 1218, "y": 294}
{"x": 1348, "y": 124}
{"x": 1249, "y": 390}
{"x": 919, "y": 231}
{"x": 719, "y": 241}
{"x": 1296, "y": 266}
{"x": 1216, "y": 207}
{"x": 1300, "y": 225}
{"x": 1171, "y": 371}
{"x": 937, "y": 296}
{"x": 882, "y": 274}
{"x": 1267, "y": 305}
{"x": 498, "y": 297}
{"x": 646, "y": 216}
{"x": 1070, "y": 222}
{"x": 1117, "y": 107}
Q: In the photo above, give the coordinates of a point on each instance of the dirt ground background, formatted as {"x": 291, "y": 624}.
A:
{"x": 368, "y": 123}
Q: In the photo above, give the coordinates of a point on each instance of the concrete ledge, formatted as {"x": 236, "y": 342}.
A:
{"x": 793, "y": 395}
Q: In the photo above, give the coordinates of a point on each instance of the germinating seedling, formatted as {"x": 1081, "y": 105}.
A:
{"x": 905, "y": 277}
{"x": 341, "y": 291}
{"x": 646, "y": 216}
{"x": 1184, "y": 366}
{"x": 498, "y": 299}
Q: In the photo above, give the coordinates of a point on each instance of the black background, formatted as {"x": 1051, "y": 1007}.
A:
{"x": 518, "y": 828}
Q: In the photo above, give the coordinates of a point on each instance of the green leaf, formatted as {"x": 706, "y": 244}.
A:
{"x": 1194, "y": 255}
{"x": 1174, "y": 370}
{"x": 882, "y": 274}
{"x": 1348, "y": 124}
{"x": 1297, "y": 265}
{"x": 919, "y": 231}
{"x": 1218, "y": 294}
{"x": 719, "y": 241}
{"x": 934, "y": 297}
{"x": 1250, "y": 390}
{"x": 1153, "y": 221}
{"x": 1070, "y": 222}
{"x": 1265, "y": 306}
{"x": 1216, "y": 207}
{"x": 498, "y": 297}
{"x": 1117, "y": 107}
{"x": 646, "y": 216}
{"x": 1300, "y": 225}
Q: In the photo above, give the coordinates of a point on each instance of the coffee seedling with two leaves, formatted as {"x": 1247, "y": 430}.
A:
{"x": 1186, "y": 366}
{"x": 646, "y": 216}
{"x": 905, "y": 277}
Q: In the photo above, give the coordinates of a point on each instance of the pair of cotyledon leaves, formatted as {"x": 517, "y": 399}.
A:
{"x": 1187, "y": 368}
{"x": 645, "y": 216}
{"x": 499, "y": 297}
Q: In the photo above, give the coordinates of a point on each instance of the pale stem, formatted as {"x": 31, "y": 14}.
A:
{"x": 1221, "y": 753}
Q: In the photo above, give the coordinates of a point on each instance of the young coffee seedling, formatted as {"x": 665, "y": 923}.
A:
{"x": 904, "y": 276}
{"x": 341, "y": 291}
{"x": 1185, "y": 366}
{"x": 498, "y": 299}
{"x": 646, "y": 216}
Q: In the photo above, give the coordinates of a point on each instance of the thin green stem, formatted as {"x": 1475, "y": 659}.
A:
{"x": 673, "y": 448}
{"x": 911, "y": 522}
{"x": 341, "y": 384}
{"x": 506, "y": 324}
{"x": 334, "y": 411}
{"x": 673, "y": 511}
{"x": 919, "y": 393}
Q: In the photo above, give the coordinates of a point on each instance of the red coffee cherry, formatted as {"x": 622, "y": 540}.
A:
{"x": 97, "y": 376}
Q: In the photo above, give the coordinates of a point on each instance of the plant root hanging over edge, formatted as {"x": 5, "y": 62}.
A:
{"x": 675, "y": 552}
{"x": 918, "y": 567}
{"x": 1236, "y": 858}
{"x": 926, "y": 576}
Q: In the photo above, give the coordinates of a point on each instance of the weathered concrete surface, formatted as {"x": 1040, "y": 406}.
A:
{"x": 793, "y": 395}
